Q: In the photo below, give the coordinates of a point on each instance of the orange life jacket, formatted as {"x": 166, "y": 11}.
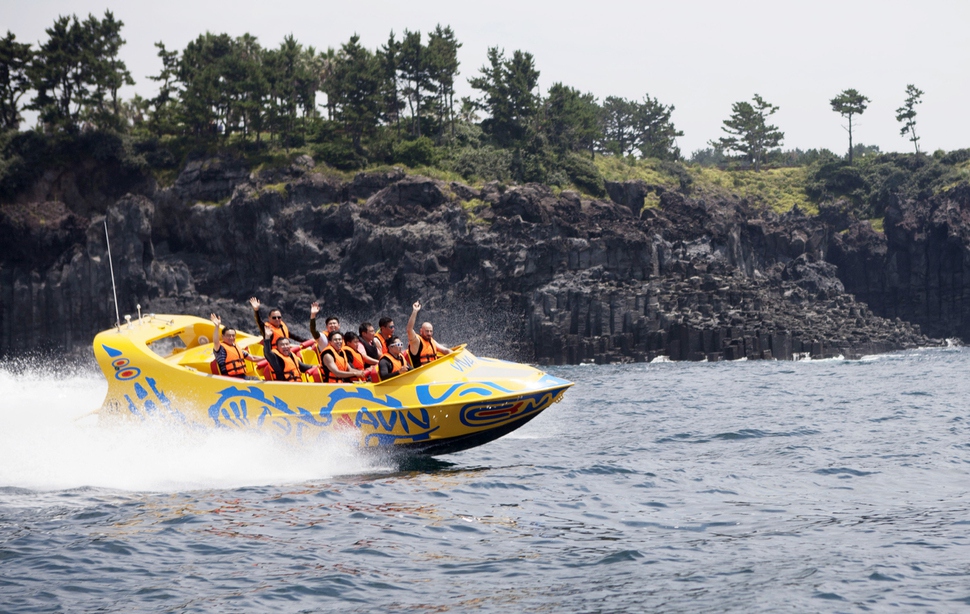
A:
{"x": 354, "y": 359}
{"x": 291, "y": 368}
{"x": 278, "y": 332}
{"x": 384, "y": 340}
{"x": 235, "y": 360}
{"x": 426, "y": 353}
{"x": 339, "y": 361}
{"x": 397, "y": 364}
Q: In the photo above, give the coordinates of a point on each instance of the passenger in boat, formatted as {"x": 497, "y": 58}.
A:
{"x": 393, "y": 363}
{"x": 314, "y": 333}
{"x": 286, "y": 365}
{"x": 386, "y": 332}
{"x": 332, "y": 324}
{"x": 335, "y": 368}
{"x": 422, "y": 348}
{"x": 360, "y": 357}
{"x": 231, "y": 359}
{"x": 275, "y": 324}
{"x": 368, "y": 344}
{"x": 355, "y": 358}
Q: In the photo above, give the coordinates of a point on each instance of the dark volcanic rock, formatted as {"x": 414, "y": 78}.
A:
{"x": 919, "y": 270}
{"x": 515, "y": 271}
{"x": 631, "y": 194}
{"x": 366, "y": 185}
{"x": 533, "y": 203}
{"x": 210, "y": 180}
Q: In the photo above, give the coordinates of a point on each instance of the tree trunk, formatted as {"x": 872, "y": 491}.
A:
{"x": 850, "y": 139}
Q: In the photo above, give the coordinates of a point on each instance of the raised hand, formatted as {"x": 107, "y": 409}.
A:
{"x": 416, "y": 306}
{"x": 314, "y": 310}
{"x": 215, "y": 319}
{"x": 255, "y": 303}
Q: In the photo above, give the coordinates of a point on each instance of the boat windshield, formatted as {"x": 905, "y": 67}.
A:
{"x": 166, "y": 346}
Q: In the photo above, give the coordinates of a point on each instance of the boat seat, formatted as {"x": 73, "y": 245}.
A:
{"x": 214, "y": 367}
{"x": 315, "y": 375}
{"x": 264, "y": 370}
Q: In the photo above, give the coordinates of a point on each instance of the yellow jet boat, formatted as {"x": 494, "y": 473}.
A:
{"x": 161, "y": 367}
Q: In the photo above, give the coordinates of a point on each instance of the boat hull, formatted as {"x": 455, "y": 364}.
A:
{"x": 156, "y": 371}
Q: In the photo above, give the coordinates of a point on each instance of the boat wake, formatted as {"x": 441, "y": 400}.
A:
{"x": 51, "y": 440}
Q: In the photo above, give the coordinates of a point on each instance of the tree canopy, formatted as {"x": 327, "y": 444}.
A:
{"x": 15, "y": 61}
{"x": 77, "y": 74}
{"x": 848, "y": 103}
{"x": 906, "y": 114}
{"x": 749, "y": 132}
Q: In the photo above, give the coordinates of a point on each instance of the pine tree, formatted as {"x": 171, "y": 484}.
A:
{"x": 848, "y": 103}
{"x": 413, "y": 66}
{"x": 750, "y": 133}
{"x": 508, "y": 96}
{"x": 653, "y": 132}
{"x": 357, "y": 85}
{"x": 442, "y": 69}
{"x": 906, "y": 114}
{"x": 15, "y": 59}
{"x": 163, "y": 116}
{"x": 571, "y": 119}
{"x": 618, "y": 119}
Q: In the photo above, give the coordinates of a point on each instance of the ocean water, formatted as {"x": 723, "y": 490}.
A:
{"x": 821, "y": 486}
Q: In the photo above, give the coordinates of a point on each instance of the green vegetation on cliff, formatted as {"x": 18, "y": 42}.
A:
{"x": 351, "y": 108}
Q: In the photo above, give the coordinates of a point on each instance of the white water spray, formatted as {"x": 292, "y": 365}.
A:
{"x": 50, "y": 440}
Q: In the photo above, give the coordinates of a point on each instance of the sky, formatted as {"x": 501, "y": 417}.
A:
{"x": 700, "y": 56}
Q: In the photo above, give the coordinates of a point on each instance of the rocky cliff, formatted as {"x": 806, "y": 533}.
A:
{"x": 520, "y": 272}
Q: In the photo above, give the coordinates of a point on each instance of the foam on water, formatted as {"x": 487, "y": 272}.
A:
{"x": 51, "y": 440}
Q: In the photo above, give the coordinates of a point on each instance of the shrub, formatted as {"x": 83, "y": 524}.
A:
{"x": 339, "y": 154}
{"x": 484, "y": 163}
{"x": 583, "y": 173}
{"x": 956, "y": 157}
{"x": 419, "y": 152}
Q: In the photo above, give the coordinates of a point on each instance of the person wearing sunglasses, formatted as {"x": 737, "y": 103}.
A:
{"x": 392, "y": 363}
{"x": 275, "y": 324}
{"x": 422, "y": 348}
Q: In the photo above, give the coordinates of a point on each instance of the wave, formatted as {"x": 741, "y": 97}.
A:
{"x": 51, "y": 440}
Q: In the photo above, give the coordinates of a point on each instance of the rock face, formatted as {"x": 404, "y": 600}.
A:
{"x": 919, "y": 271}
{"x": 517, "y": 272}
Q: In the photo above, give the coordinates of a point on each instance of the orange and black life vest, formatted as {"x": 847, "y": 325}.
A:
{"x": 279, "y": 332}
{"x": 384, "y": 340}
{"x": 354, "y": 359}
{"x": 339, "y": 361}
{"x": 426, "y": 353}
{"x": 397, "y": 364}
{"x": 235, "y": 360}
{"x": 291, "y": 368}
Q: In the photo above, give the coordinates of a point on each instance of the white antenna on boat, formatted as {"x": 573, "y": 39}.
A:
{"x": 111, "y": 266}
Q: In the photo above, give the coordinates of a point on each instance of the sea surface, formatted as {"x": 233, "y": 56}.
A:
{"x": 818, "y": 486}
